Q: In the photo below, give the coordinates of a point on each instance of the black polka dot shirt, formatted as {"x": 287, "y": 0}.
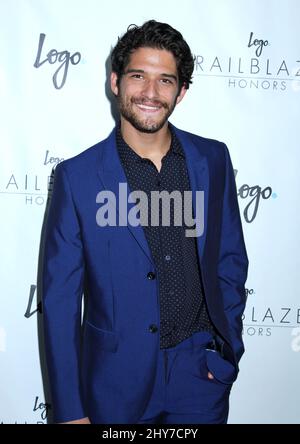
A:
{"x": 182, "y": 304}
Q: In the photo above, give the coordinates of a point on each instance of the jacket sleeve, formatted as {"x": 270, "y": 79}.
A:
{"x": 62, "y": 288}
{"x": 233, "y": 261}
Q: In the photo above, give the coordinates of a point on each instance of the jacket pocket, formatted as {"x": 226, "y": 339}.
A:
{"x": 106, "y": 340}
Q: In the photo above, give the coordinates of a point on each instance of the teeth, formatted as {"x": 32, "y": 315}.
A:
{"x": 148, "y": 107}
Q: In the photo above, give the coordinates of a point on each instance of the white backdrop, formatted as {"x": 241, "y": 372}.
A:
{"x": 246, "y": 92}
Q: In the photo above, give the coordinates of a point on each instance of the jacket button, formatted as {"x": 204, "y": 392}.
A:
{"x": 153, "y": 328}
{"x": 151, "y": 275}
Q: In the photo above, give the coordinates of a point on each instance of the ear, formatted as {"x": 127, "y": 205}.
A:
{"x": 181, "y": 94}
{"x": 113, "y": 83}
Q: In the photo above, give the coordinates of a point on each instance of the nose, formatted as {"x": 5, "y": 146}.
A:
{"x": 150, "y": 89}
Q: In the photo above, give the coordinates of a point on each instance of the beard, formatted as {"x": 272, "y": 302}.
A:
{"x": 148, "y": 124}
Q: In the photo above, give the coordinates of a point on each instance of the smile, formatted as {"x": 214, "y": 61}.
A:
{"x": 148, "y": 108}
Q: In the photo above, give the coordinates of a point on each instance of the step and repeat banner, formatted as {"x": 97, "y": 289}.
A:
{"x": 55, "y": 102}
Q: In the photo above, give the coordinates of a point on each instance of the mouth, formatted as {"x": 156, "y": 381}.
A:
{"x": 148, "y": 108}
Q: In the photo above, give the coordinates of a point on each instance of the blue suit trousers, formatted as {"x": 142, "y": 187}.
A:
{"x": 182, "y": 392}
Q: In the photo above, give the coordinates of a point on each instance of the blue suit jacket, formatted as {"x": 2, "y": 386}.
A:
{"x": 105, "y": 368}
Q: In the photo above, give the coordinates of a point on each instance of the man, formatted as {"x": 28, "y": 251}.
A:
{"x": 161, "y": 336}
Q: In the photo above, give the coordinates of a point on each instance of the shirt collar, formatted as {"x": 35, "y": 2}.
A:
{"x": 127, "y": 154}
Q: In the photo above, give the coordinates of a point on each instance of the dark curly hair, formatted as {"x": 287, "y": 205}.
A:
{"x": 153, "y": 34}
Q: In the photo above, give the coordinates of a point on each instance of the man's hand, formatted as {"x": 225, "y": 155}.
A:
{"x": 78, "y": 421}
{"x": 210, "y": 375}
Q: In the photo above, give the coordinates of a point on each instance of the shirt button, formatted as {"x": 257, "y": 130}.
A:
{"x": 153, "y": 328}
{"x": 167, "y": 257}
{"x": 151, "y": 275}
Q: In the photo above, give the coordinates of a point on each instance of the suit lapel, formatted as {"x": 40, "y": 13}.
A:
{"x": 199, "y": 177}
{"x": 111, "y": 174}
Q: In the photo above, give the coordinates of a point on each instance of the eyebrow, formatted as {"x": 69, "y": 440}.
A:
{"x": 141, "y": 71}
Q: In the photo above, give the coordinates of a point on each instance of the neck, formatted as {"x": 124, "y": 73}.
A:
{"x": 150, "y": 145}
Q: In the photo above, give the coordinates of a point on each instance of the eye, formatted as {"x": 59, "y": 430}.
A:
{"x": 167, "y": 81}
{"x": 137, "y": 76}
